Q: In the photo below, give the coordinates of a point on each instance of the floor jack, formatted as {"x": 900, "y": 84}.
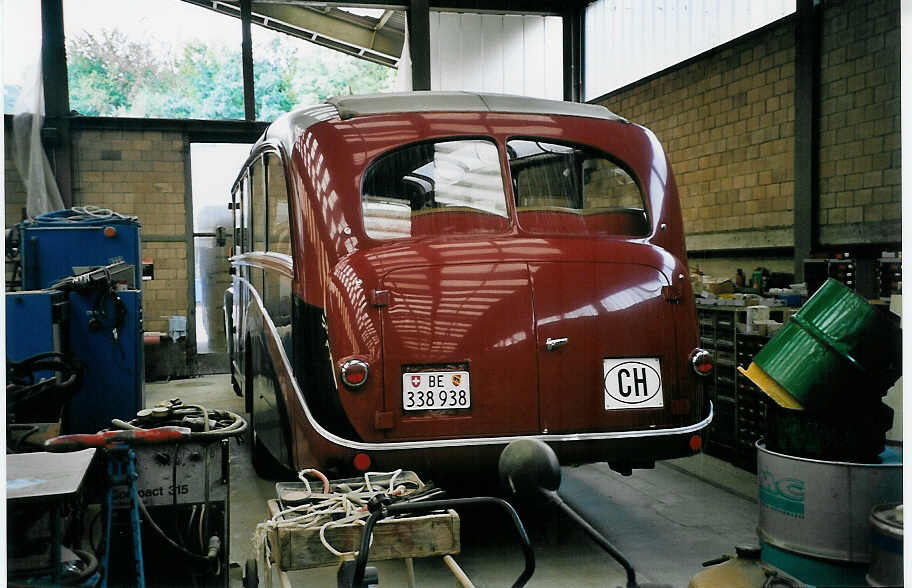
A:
{"x": 121, "y": 471}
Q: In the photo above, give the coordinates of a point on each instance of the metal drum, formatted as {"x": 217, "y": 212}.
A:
{"x": 820, "y": 508}
{"x": 886, "y": 546}
{"x": 836, "y": 347}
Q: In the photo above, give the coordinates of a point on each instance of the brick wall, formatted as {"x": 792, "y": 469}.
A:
{"x": 141, "y": 173}
{"x": 13, "y": 191}
{"x": 726, "y": 122}
{"x": 860, "y": 192}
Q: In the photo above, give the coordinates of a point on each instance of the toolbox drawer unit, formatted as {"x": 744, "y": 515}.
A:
{"x": 739, "y": 407}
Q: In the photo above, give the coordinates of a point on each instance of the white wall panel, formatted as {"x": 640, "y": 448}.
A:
{"x": 554, "y": 58}
{"x": 492, "y": 76}
{"x": 472, "y": 59}
{"x": 627, "y": 40}
{"x": 512, "y": 42}
{"x": 512, "y": 54}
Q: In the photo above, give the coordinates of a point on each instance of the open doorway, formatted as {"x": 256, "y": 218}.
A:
{"x": 213, "y": 168}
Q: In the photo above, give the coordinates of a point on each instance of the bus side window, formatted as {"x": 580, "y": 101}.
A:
{"x": 278, "y": 237}
{"x": 277, "y": 286}
{"x": 258, "y": 205}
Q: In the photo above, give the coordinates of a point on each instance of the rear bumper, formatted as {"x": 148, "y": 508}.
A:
{"x": 632, "y": 447}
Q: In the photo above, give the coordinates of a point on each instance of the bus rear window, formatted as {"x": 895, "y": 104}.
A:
{"x": 574, "y": 189}
{"x": 435, "y": 188}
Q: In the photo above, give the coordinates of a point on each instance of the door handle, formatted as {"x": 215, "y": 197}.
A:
{"x": 552, "y": 344}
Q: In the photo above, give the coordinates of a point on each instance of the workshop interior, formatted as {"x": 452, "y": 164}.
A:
{"x": 446, "y": 292}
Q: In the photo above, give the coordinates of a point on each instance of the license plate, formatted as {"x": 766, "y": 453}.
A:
{"x": 632, "y": 382}
{"x": 435, "y": 390}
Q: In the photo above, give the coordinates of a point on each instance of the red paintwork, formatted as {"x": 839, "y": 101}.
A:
{"x": 489, "y": 299}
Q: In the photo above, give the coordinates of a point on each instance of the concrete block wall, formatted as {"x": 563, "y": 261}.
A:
{"x": 860, "y": 159}
{"x": 726, "y": 122}
{"x": 141, "y": 173}
{"x": 14, "y": 190}
{"x": 137, "y": 173}
{"x": 14, "y": 194}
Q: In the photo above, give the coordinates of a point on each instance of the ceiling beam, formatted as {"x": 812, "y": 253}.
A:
{"x": 385, "y": 40}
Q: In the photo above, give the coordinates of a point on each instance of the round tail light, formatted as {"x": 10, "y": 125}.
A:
{"x": 354, "y": 373}
{"x": 701, "y": 361}
{"x": 362, "y": 462}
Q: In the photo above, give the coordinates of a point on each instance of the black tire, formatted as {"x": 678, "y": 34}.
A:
{"x": 251, "y": 579}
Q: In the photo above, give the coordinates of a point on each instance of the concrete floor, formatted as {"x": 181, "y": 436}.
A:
{"x": 666, "y": 521}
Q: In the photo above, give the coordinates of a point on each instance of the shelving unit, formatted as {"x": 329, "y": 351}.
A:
{"x": 740, "y": 408}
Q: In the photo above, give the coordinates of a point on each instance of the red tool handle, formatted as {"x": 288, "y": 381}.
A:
{"x": 109, "y": 439}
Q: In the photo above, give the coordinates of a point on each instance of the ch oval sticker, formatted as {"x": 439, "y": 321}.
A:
{"x": 633, "y": 384}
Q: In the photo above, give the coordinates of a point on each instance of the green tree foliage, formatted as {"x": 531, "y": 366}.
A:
{"x": 111, "y": 75}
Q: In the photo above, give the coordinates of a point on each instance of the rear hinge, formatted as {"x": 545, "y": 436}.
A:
{"x": 380, "y": 298}
{"x": 383, "y": 421}
{"x": 671, "y": 293}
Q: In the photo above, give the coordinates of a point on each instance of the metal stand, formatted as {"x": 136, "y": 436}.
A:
{"x": 122, "y": 472}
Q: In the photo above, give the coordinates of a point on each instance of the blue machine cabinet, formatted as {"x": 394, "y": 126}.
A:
{"x": 56, "y": 244}
{"x": 105, "y": 329}
{"x": 33, "y": 323}
{"x": 109, "y": 341}
{"x": 36, "y": 322}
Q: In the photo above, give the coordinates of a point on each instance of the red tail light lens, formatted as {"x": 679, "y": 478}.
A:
{"x": 362, "y": 462}
{"x": 354, "y": 373}
{"x": 701, "y": 361}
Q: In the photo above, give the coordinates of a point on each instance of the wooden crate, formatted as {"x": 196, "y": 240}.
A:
{"x": 298, "y": 548}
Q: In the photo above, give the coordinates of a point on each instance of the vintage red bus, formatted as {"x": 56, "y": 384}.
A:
{"x": 421, "y": 278}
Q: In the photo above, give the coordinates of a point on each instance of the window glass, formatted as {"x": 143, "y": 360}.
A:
{"x": 277, "y": 224}
{"x": 291, "y": 72}
{"x": 20, "y": 46}
{"x": 163, "y": 59}
{"x": 258, "y": 205}
{"x": 435, "y": 188}
{"x": 277, "y": 301}
{"x": 573, "y": 189}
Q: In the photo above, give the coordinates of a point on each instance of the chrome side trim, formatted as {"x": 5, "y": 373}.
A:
{"x": 267, "y": 260}
{"x": 440, "y": 443}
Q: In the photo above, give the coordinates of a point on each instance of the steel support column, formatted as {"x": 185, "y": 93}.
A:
{"x": 419, "y": 39}
{"x": 573, "y": 20}
{"x": 56, "y": 135}
{"x": 807, "y": 105}
{"x": 247, "y": 62}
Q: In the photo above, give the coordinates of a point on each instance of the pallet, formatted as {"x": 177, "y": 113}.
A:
{"x": 294, "y": 547}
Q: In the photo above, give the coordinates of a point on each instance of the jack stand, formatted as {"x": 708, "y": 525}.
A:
{"x": 122, "y": 472}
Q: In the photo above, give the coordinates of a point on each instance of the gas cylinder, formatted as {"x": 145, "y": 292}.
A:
{"x": 744, "y": 570}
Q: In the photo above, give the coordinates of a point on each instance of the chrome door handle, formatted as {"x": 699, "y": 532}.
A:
{"x": 552, "y": 344}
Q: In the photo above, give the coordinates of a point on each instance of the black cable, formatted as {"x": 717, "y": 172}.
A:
{"x": 26, "y": 396}
{"x": 91, "y": 565}
{"x": 13, "y": 447}
{"x": 214, "y": 541}
{"x": 397, "y": 508}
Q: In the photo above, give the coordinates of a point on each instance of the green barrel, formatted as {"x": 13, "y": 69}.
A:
{"x": 838, "y": 352}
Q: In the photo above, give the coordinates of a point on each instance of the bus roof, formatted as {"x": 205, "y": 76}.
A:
{"x": 288, "y": 126}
